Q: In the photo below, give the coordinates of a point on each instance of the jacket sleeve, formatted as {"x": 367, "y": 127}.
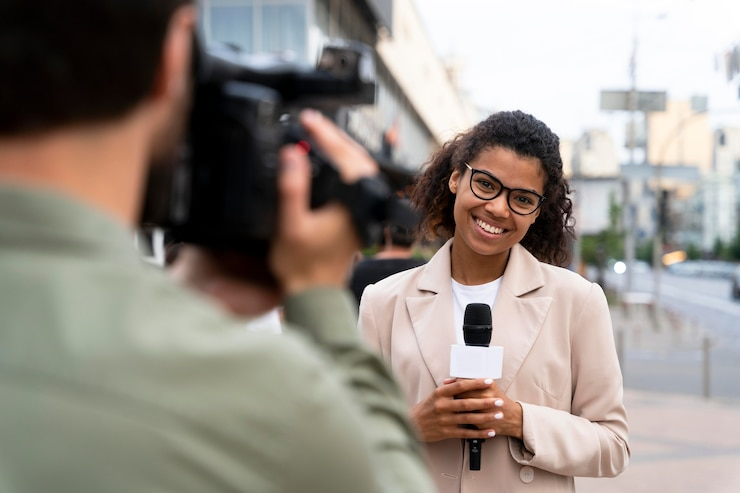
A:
{"x": 592, "y": 439}
{"x": 367, "y": 325}
{"x": 329, "y": 317}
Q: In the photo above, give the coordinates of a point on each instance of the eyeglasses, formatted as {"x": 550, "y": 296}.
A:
{"x": 485, "y": 186}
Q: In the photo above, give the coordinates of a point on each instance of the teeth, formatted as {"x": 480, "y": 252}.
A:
{"x": 489, "y": 228}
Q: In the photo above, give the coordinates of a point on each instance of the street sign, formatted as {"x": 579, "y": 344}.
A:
{"x": 646, "y": 100}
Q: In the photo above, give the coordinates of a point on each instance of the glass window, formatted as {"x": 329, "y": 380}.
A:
{"x": 259, "y": 26}
{"x": 284, "y": 28}
{"x": 233, "y": 24}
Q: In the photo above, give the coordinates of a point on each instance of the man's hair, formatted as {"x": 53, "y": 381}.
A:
{"x": 401, "y": 235}
{"x": 68, "y": 62}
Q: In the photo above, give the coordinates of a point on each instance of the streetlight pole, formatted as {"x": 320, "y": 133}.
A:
{"x": 658, "y": 241}
{"x": 629, "y": 239}
{"x": 698, "y": 107}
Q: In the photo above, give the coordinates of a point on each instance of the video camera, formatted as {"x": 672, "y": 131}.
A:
{"x": 222, "y": 192}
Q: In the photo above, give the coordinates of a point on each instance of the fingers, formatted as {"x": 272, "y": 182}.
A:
{"x": 352, "y": 160}
{"x": 467, "y": 405}
{"x": 312, "y": 247}
{"x": 461, "y": 385}
{"x": 474, "y": 433}
{"x": 294, "y": 188}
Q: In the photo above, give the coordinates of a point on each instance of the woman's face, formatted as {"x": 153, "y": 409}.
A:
{"x": 490, "y": 227}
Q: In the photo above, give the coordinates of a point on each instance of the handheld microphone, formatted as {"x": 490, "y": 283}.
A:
{"x": 477, "y": 330}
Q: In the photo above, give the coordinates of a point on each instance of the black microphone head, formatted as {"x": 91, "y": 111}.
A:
{"x": 477, "y": 325}
{"x": 477, "y": 314}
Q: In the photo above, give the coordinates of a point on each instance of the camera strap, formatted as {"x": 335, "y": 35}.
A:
{"x": 369, "y": 201}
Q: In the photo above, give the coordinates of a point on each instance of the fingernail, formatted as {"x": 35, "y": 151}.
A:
{"x": 498, "y": 402}
{"x": 491, "y": 434}
{"x": 290, "y": 160}
{"x": 489, "y": 381}
{"x": 498, "y": 415}
{"x": 303, "y": 147}
{"x": 310, "y": 115}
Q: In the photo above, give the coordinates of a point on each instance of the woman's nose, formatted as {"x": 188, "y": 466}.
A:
{"x": 499, "y": 206}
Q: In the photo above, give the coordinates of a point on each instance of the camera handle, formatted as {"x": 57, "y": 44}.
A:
{"x": 369, "y": 200}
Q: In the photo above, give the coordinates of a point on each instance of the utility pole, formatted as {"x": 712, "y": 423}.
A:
{"x": 629, "y": 223}
{"x": 633, "y": 101}
{"x": 698, "y": 106}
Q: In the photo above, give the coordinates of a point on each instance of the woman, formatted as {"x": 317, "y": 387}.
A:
{"x": 497, "y": 194}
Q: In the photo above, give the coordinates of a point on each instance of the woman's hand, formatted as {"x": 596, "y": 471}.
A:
{"x": 442, "y": 415}
{"x": 507, "y": 414}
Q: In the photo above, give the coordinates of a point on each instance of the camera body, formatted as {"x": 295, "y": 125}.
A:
{"x": 222, "y": 191}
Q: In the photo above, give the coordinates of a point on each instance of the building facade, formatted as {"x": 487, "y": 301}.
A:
{"x": 719, "y": 189}
{"x": 681, "y": 135}
{"x": 406, "y": 123}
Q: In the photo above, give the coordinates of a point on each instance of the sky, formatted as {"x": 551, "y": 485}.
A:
{"x": 552, "y": 58}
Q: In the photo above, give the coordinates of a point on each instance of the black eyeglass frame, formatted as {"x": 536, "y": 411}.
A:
{"x": 473, "y": 171}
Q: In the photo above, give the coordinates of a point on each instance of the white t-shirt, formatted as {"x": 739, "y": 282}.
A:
{"x": 270, "y": 321}
{"x": 462, "y": 295}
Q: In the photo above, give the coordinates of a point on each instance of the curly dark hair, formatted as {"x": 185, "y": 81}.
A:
{"x": 548, "y": 239}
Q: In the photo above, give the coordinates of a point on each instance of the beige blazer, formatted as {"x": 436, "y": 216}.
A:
{"x": 560, "y": 363}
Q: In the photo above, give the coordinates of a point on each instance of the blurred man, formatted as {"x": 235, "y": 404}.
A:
{"x": 114, "y": 378}
{"x": 395, "y": 255}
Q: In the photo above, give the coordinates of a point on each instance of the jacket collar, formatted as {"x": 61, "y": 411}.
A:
{"x": 518, "y": 312}
{"x": 40, "y": 218}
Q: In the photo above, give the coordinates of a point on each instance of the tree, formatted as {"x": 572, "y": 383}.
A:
{"x": 693, "y": 252}
{"x": 734, "y": 246}
{"x": 720, "y": 251}
{"x": 608, "y": 243}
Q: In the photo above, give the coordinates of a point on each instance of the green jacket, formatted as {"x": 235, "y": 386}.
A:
{"x": 115, "y": 379}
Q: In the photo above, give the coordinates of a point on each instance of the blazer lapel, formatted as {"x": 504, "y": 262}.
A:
{"x": 431, "y": 314}
{"x": 517, "y": 315}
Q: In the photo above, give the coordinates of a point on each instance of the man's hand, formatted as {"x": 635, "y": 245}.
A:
{"x": 316, "y": 247}
{"x": 310, "y": 248}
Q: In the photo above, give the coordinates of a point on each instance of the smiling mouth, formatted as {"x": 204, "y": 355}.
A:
{"x": 488, "y": 228}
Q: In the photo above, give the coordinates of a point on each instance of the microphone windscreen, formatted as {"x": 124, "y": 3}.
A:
{"x": 477, "y": 314}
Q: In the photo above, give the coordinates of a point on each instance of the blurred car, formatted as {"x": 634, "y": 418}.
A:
{"x": 704, "y": 268}
{"x": 736, "y": 283}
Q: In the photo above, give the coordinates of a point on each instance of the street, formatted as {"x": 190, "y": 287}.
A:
{"x": 694, "y": 348}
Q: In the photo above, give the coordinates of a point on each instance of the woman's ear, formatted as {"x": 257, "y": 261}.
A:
{"x": 454, "y": 177}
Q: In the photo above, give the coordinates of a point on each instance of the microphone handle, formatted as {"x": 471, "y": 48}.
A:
{"x": 475, "y": 445}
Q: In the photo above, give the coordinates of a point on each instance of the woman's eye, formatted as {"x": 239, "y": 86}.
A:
{"x": 485, "y": 184}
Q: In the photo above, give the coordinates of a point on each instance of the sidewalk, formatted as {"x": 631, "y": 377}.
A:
{"x": 680, "y": 442}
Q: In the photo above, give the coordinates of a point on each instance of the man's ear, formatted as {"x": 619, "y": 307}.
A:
{"x": 454, "y": 178}
{"x": 172, "y": 74}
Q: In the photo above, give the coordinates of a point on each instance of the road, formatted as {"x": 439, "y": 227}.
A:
{"x": 703, "y": 300}
{"x": 672, "y": 358}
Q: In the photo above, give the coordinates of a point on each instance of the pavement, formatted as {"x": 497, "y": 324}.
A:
{"x": 681, "y": 438}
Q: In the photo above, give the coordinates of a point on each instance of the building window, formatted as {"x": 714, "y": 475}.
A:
{"x": 258, "y": 26}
